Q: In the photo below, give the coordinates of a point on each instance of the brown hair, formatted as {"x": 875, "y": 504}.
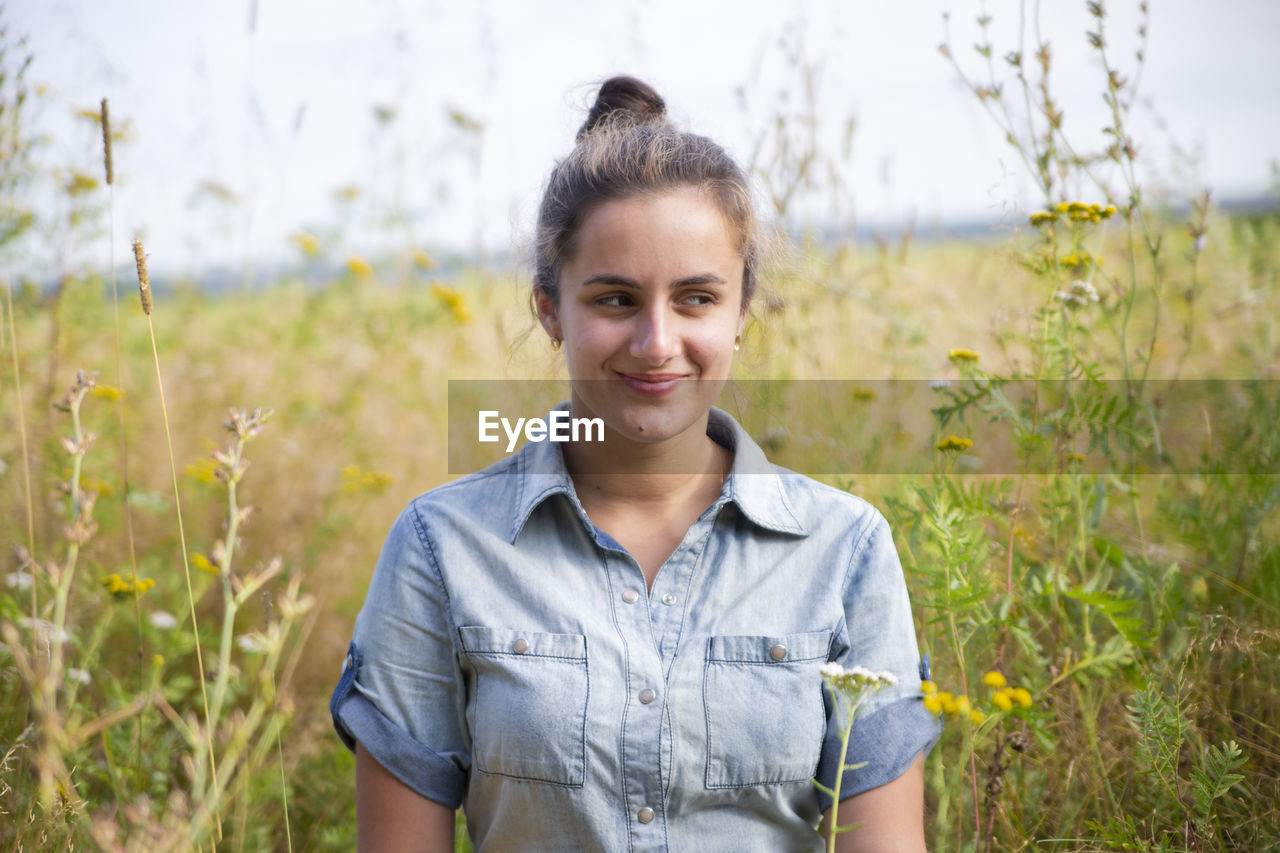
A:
{"x": 627, "y": 148}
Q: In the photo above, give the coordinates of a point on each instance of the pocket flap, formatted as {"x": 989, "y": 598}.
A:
{"x": 761, "y": 649}
{"x": 481, "y": 640}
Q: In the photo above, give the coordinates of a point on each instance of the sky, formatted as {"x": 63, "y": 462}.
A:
{"x": 251, "y": 120}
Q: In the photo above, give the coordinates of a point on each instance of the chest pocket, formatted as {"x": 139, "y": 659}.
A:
{"x": 763, "y": 702}
{"x": 528, "y": 708}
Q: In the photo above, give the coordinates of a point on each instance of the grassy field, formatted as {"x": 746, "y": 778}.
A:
{"x": 1103, "y": 637}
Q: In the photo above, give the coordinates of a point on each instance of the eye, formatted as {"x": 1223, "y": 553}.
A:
{"x": 614, "y": 300}
{"x": 698, "y": 299}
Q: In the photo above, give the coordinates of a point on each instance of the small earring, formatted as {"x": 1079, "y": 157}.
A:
{"x": 737, "y": 342}
{"x": 555, "y": 344}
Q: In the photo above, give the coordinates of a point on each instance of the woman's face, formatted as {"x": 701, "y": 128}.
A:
{"x": 650, "y": 305}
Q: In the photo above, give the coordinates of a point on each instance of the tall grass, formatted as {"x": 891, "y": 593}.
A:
{"x": 1103, "y": 640}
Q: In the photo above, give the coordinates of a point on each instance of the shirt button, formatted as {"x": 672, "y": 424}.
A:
{"x": 778, "y": 652}
{"x": 520, "y": 646}
{"x": 645, "y": 815}
{"x": 668, "y": 599}
{"x": 631, "y": 596}
{"x": 646, "y": 696}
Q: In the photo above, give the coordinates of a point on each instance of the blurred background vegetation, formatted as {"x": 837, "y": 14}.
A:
{"x": 1139, "y": 615}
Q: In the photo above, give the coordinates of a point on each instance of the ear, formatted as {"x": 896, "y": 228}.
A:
{"x": 546, "y": 310}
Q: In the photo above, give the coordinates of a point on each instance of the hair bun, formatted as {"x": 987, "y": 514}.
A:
{"x": 627, "y": 100}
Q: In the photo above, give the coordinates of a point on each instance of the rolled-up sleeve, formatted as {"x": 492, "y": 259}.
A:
{"x": 401, "y": 693}
{"x": 892, "y": 726}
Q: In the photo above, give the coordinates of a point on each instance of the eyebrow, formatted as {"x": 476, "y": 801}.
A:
{"x": 610, "y": 278}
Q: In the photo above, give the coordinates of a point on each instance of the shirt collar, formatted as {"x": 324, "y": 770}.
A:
{"x": 754, "y": 485}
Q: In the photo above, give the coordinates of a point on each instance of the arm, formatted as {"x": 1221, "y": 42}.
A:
{"x": 391, "y": 816}
{"x": 892, "y": 816}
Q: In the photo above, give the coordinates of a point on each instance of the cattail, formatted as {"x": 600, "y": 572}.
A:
{"x": 144, "y": 284}
{"x": 106, "y": 143}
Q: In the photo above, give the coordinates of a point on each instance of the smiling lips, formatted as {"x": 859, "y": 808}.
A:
{"x": 652, "y": 384}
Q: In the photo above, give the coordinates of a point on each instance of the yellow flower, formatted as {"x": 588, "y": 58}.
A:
{"x": 864, "y": 393}
{"x": 423, "y": 260}
{"x": 1063, "y": 207}
{"x": 358, "y": 266}
{"x": 355, "y": 480}
{"x": 977, "y": 717}
{"x": 928, "y": 688}
{"x": 1041, "y": 217}
{"x": 202, "y": 470}
{"x": 1022, "y": 696}
{"x": 1002, "y": 699}
{"x": 201, "y": 562}
{"x": 1072, "y": 260}
{"x": 1108, "y": 211}
{"x": 962, "y": 706}
{"x": 933, "y": 704}
{"x": 963, "y": 355}
{"x": 309, "y": 245}
{"x": 954, "y": 442}
{"x": 455, "y": 300}
{"x": 1075, "y": 457}
{"x": 948, "y": 702}
{"x": 994, "y": 679}
{"x": 106, "y": 392}
{"x": 79, "y": 183}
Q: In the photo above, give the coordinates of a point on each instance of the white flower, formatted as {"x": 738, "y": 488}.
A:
{"x": 887, "y": 678}
{"x": 79, "y": 675}
{"x": 45, "y": 630}
{"x": 250, "y": 643}
{"x": 831, "y": 669}
{"x": 939, "y": 384}
{"x": 18, "y": 580}
{"x": 162, "y": 620}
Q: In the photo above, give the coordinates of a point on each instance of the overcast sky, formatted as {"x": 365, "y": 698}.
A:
{"x": 281, "y": 102}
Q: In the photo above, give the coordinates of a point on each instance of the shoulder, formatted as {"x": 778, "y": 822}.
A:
{"x": 824, "y": 509}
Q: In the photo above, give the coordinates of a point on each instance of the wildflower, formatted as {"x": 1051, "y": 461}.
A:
{"x": 928, "y": 688}
{"x": 933, "y": 704}
{"x": 1108, "y": 211}
{"x": 1075, "y": 457}
{"x": 1071, "y": 260}
{"x": 81, "y": 183}
{"x": 856, "y": 678}
{"x": 1082, "y": 293}
{"x": 358, "y": 266}
{"x": 455, "y": 300}
{"x": 250, "y": 644}
{"x": 120, "y": 587}
{"x": 939, "y": 384}
{"x": 106, "y": 392}
{"x": 423, "y": 260}
{"x": 962, "y": 707}
{"x": 948, "y": 702}
{"x": 203, "y": 563}
{"x": 45, "y": 630}
{"x": 356, "y": 480}
{"x": 1042, "y": 217}
{"x": 18, "y": 580}
{"x": 1022, "y": 696}
{"x": 162, "y": 620}
{"x": 864, "y": 394}
{"x": 994, "y": 679}
{"x": 1062, "y": 207}
{"x": 959, "y": 355}
{"x": 79, "y": 675}
{"x": 309, "y": 245}
{"x": 1003, "y": 700}
{"x": 954, "y": 442}
{"x": 203, "y": 470}
{"x": 977, "y": 717}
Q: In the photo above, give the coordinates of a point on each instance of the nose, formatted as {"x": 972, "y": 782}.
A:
{"x": 654, "y": 337}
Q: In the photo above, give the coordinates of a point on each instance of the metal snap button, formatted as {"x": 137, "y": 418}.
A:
{"x": 644, "y": 815}
{"x": 631, "y": 596}
{"x": 520, "y": 646}
{"x": 778, "y": 652}
{"x": 668, "y": 599}
{"x": 646, "y": 696}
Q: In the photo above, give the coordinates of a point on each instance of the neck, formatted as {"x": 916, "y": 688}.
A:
{"x": 658, "y": 474}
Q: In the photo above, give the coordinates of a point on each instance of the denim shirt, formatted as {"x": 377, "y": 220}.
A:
{"x": 509, "y": 660}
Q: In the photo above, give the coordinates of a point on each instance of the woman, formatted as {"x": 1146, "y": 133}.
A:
{"x": 609, "y": 646}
